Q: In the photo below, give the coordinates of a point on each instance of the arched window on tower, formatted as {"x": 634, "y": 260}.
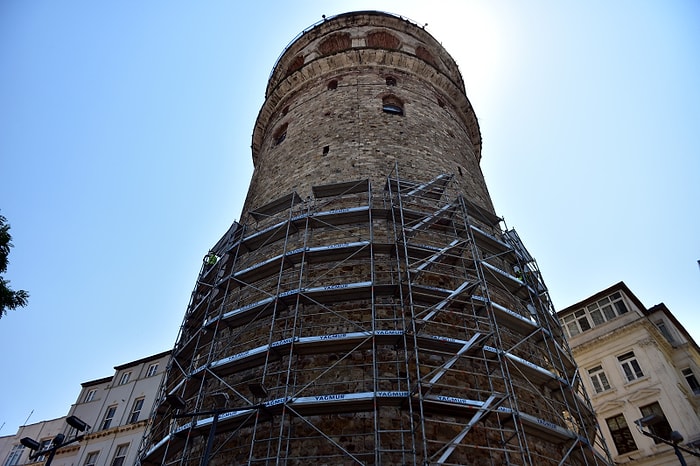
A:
{"x": 280, "y": 135}
{"x": 383, "y": 40}
{"x": 296, "y": 64}
{"x": 334, "y": 44}
{"x": 423, "y": 54}
{"x": 392, "y": 105}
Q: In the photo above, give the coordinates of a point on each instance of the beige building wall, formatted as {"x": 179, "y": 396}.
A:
{"x": 13, "y": 453}
{"x": 634, "y": 362}
{"x": 116, "y": 408}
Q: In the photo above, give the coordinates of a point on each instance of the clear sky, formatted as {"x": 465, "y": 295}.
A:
{"x": 125, "y": 132}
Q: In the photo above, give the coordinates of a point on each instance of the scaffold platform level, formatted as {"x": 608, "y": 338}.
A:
{"x": 405, "y": 315}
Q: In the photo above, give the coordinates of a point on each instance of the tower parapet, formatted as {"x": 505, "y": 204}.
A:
{"x": 323, "y": 115}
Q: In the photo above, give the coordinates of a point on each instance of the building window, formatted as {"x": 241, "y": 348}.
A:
{"x": 576, "y": 322}
{"x": 109, "y": 415}
{"x": 332, "y": 85}
{"x": 136, "y": 410}
{"x": 661, "y": 325}
{"x": 621, "y": 435}
{"x": 120, "y": 455}
{"x": 658, "y": 425}
{"x": 125, "y": 378}
{"x": 15, "y": 455}
{"x": 599, "y": 379}
{"x": 390, "y": 81}
{"x": 392, "y": 105}
{"x": 594, "y": 314}
{"x": 91, "y": 459}
{"x": 692, "y": 381}
{"x": 607, "y": 308}
{"x": 90, "y": 395}
{"x": 630, "y": 366}
{"x": 152, "y": 369}
{"x": 280, "y": 135}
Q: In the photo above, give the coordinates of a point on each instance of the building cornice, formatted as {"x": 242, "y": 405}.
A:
{"x": 116, "y": 430}
{"x": 615, "y": 335}
{"x": 142, "y": 360}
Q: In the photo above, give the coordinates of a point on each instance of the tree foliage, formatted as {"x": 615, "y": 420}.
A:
{"x": 9, "y": 299}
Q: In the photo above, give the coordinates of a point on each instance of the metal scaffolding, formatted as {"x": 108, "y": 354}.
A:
{"x": 391, "y": 324}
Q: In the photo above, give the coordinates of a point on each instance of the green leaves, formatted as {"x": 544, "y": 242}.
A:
{"x": 9, "y": 299}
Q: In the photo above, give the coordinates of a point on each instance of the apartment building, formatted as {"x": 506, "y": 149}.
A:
{"x": 116, "y": 408}
{"x": 638, "y": 364}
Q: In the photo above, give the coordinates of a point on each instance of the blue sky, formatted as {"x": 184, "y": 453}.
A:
{"x": 125, "y": 132}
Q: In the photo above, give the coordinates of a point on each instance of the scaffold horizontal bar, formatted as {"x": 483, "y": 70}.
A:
{"x": 490, "y": 242}
{"x": 465, "y": 287}
{"x": 431, "y": 218}
{"x": 440, "y": 254}
{"x": 317, "y": 344}
{"x": 432, "y": 189}
{"x": 534, "y": 372}
{"x": 532, "y": 424}
{"x": 479, "y": 213}
{"x": 502, "y": 279}
{"x": 513, "y": 320}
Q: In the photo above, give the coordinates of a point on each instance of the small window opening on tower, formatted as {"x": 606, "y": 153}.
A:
{"x": 285, "y": 110}
{"x": 326, "y": 150}
{"x": 280, "y": 135}
{"x": 441, "y": 103}
{"x": 459, "y": 169}
{"x": 392, "y": 105}
{"x": 333, "y": 85}
{"x": 390, "y": 81}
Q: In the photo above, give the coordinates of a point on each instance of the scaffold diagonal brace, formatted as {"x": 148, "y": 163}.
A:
{"x": 489, "y": 405}
{"x": 474, "y": 342}
{"x": 434, "y": 258}
{"x": 465, "y": 287}
{"x": 434, "y": 217}
{"x": 438, "y": 182}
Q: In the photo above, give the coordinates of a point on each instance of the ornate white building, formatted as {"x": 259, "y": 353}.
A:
{"x": 637, "y": 363}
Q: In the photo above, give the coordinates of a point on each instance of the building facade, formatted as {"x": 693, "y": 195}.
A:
{"x": 370, "y": 307}
{"x": 637, "y": 363}
{"x": 116, "y": 408}
{"x": 12, "y": 452}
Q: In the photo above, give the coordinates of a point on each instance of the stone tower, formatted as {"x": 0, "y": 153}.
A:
{"x": 370, "y": 307}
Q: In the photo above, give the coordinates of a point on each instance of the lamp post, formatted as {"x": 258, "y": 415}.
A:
{"x": 675, "y": 439}
{"x": 58, "y": 441}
